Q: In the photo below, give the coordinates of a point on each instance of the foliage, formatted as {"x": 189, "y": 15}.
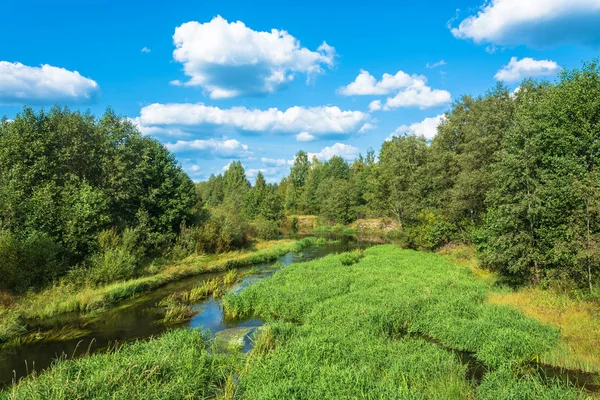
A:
{"x": 67, "y": 176}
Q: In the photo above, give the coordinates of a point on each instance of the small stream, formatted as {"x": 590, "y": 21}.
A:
{"x": 137, "y": 318}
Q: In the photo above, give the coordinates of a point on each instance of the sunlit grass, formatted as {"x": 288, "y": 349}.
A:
{"x": 385, "y": 323}
{"x": 340, "y": 329}
{"x": 577, "y": 321}
{"x": 178, "y": 365}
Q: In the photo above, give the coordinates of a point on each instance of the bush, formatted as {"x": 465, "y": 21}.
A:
{"x": 28, "y": 262}
{"x": 431, "y": 232}
{"x": 117, "y": 258}
{"x": 294, "y": 224}
{"x": 266, "y": 229}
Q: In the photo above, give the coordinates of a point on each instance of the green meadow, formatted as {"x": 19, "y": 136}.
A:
{"x": 386, "y": 323}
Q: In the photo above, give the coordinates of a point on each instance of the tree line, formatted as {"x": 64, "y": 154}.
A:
{"x": 514, "y": 173}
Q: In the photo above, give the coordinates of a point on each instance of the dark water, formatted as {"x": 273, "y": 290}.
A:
{"x": 137, "y": 318}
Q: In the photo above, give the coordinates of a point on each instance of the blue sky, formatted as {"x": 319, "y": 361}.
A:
{"x": 215, "y": 83}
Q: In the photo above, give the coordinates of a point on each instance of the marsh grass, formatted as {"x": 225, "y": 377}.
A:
{"x": 353, "y": 325}
{"x": 339, "y": 329}
{"x": 176, "y": 308}
{"x": 57, "y": 334}
{"x": 11, "y": 324}
{"x": 577, "y": 320}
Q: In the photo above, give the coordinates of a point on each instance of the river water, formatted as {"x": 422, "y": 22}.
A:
{"x": 137, "y": 318}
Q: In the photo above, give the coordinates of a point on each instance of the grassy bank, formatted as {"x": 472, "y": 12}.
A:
{"x": 67, "y": 298}
{"x": 383, "y": 323}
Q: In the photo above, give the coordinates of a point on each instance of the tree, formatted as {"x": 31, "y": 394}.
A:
{"x": 398, "y": 181}
{"x": 297, "y": 179}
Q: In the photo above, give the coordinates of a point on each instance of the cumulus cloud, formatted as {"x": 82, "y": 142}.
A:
{"x": 407, "y": 91}
{"x": 440, "y": 63}
{"x": 145, "y": 50}
{"x": 304, "y": 137}
{"x": 367, "y": 127}
{"x": 345, "y": 151}
{"x": 228, "y": 59}
{"x": 537, "y": 23}
{"x": 517, "y": 70}
{"x": 312, "y": 120}
{"x": 426, "y": 128}
{"x": 44, "y": 85}
{"x": 224, "y": 148}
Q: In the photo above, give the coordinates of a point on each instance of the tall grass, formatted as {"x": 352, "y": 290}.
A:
{"x": 11, "y": 325}
{"x": 177, "y": 365}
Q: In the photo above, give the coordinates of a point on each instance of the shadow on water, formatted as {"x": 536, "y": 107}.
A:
{"x": 136, "y": 318}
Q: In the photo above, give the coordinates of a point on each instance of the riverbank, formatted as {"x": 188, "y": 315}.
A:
{"x": 16, "y": 319}
{"x": 383, "y": 323}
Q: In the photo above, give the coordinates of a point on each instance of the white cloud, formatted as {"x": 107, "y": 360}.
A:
{"x": 440, "y": 63}
{"x": 375, "y": 105}
{"x": 43, "y": 85}
{"x": 366, "y": 127}
{"x": 426, "y": 128}
{"x": 339, "y": 149}
{"x": 230, "y": 59}
{"x": 366, "y": 84}
{"x": 313, "y": 120}
{"x": 225, "y": 148}
{"x": 408, "y": 91}
{"x": 517, "y": 70}
{"x": 537, "y": 23}
{"x": 304, "y": 137}
{"x": 418, "y": 96}
{"x": 145, "y": 50}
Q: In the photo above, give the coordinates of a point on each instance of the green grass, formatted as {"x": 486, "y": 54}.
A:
{"x": 11, "y": 325}
{"x": 385, "y": 323}
{"x": 177, "y": 365}
{"x": 345, "y": 330}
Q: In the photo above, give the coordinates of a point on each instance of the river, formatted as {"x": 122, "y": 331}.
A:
{"x": 137, "y": 318}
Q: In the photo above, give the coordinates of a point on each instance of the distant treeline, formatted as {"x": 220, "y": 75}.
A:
{"x": 515, "y": 173}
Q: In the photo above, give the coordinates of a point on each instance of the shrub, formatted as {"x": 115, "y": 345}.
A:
{"x": 266, "y": 229}
{"x": 118, "y": 257}
{"x": 28, "y": 262}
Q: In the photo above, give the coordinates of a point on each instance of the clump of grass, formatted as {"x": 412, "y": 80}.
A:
{"x": 177, "y": 365}
{"x": 52, "y": 335}
{"x": 340, "y": 230}
{"x": 177, "y": 313}
{"x": 351, "y": 257}
{"x": 11, "y": 324}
